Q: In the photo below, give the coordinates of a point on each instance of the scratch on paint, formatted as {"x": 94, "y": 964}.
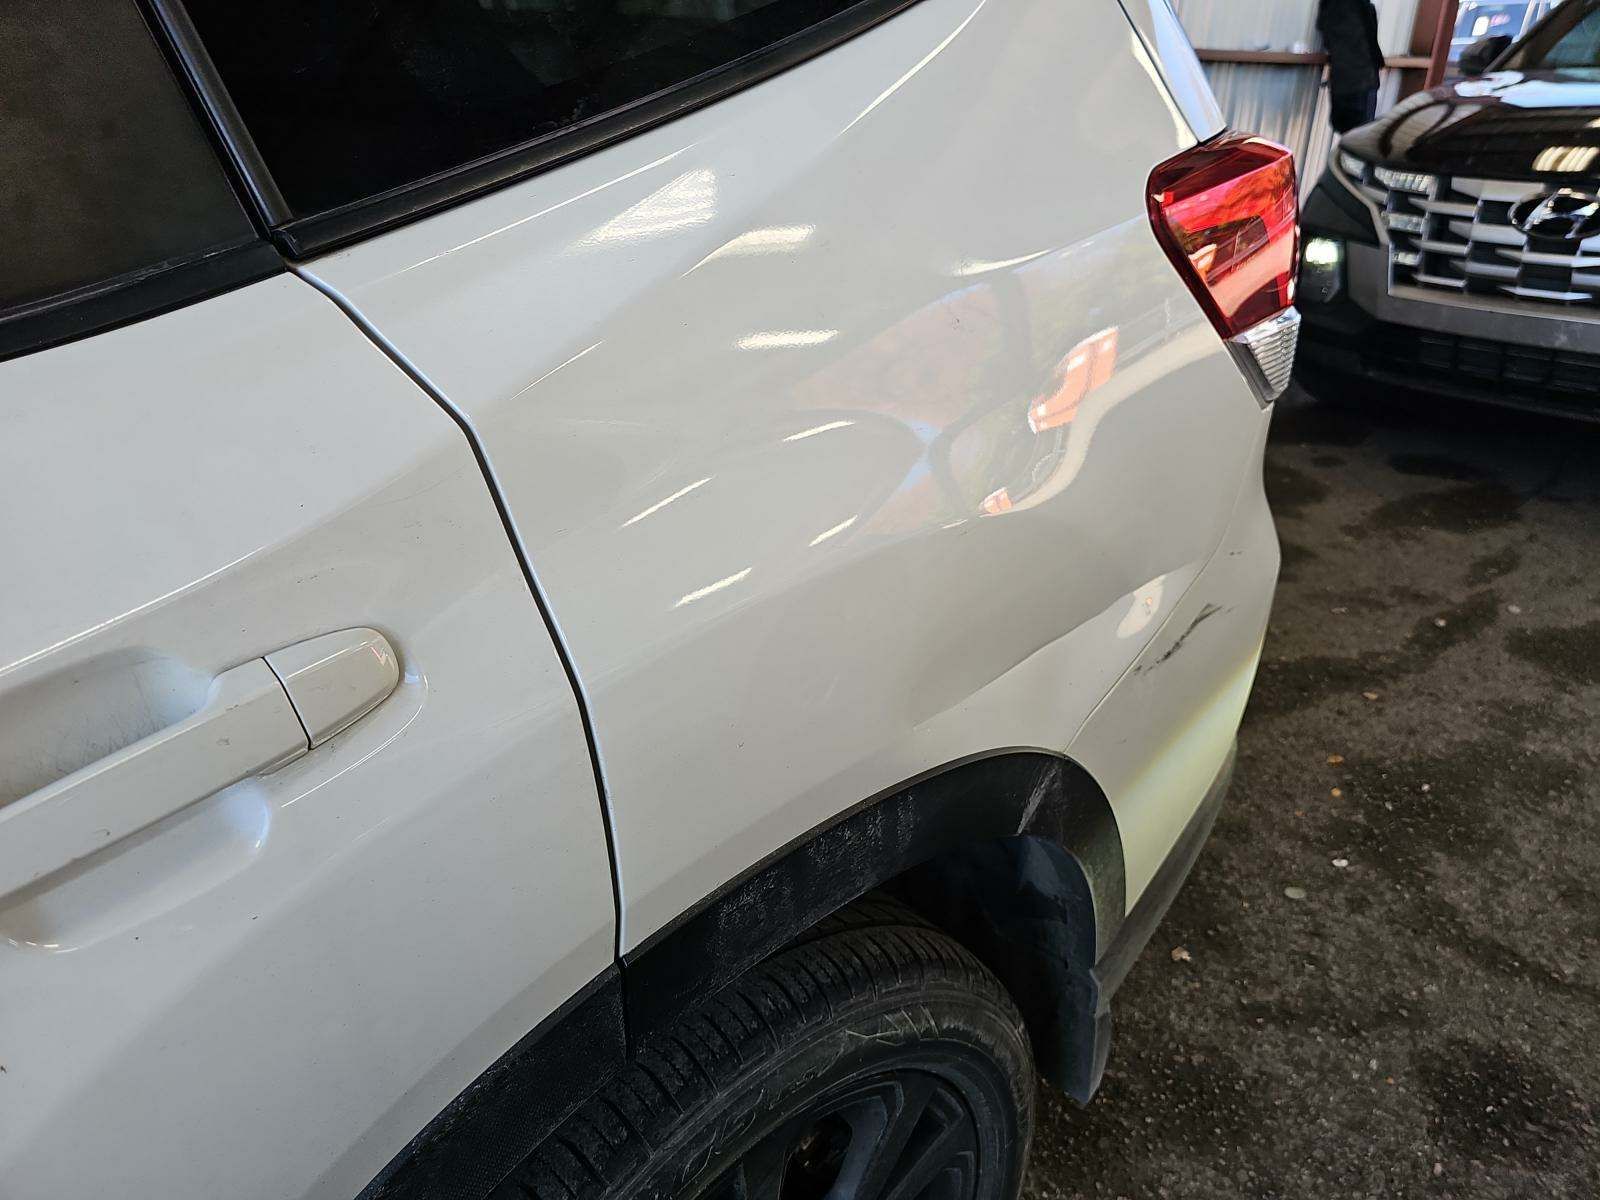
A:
{"x": 1209, "y": 610}
{"x": 1039, "y": 790}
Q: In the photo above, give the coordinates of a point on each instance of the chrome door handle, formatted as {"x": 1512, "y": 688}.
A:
{"x": 247, "y": 726}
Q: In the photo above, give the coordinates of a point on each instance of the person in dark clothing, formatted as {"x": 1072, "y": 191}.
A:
{"x": 1349, "y": 30}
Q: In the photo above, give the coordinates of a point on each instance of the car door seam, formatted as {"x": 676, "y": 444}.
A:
{"x": 417, "y": 377}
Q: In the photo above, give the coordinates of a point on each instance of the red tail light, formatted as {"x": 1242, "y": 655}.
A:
{"x": 1227, "y": 213}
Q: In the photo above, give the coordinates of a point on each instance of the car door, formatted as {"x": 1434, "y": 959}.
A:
{"x": 234, "y": 962}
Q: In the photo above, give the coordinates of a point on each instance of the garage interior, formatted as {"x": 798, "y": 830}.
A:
{"x": 1266, "y": 65}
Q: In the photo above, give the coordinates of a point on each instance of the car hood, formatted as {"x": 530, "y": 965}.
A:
{"x": 1507, "y": 125}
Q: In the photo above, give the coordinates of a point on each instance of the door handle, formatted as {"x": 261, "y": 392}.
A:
{"x": 247, "y": 726}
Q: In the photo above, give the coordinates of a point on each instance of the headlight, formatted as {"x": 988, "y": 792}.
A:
{"x": 1321, "y": 270}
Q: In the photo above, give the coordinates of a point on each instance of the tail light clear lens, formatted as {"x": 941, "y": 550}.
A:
{"x": 1227, "y": 213}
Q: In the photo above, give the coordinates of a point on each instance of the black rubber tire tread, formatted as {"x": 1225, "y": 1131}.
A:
{"x": 876, "y": 948}
{"x": 875, "y": 908}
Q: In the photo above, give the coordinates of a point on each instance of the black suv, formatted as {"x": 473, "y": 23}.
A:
{"x": 1454, "y": 244}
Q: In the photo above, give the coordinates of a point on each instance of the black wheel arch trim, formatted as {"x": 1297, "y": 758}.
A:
{"x": 1016, "y": 853}
{"x": 481, "y": 1135}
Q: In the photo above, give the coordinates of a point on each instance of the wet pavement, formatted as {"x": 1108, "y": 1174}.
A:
{"x": 1392, "y": 984}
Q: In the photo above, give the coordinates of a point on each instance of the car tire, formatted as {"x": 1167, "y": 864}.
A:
{"x": 873, "y": 1059}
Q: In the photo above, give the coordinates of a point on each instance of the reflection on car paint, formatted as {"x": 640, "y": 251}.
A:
{"x": 702, "y": 593}
{"x": 660, "y": 504}
{"x": 1142, "y": 608}
{"x": 786, "y": 339}
{"x": 684, "y": 203}
{"x": 1087, "y": 366}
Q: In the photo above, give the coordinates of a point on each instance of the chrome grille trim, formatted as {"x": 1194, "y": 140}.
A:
{"x": 1449, "y": 208}
{"x": 1542, "y": 259}
{"x": 1457, "y": 236}
{"x": 1541, "y": 294}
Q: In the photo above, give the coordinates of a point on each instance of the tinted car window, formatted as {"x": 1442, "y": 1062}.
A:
{"x": 1569, "y": 41}
{"x": 108, "y": 176}
{"x": 347, "y": 99}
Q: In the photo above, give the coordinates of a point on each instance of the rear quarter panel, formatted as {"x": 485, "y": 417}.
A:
{"x": 853, "y": 424}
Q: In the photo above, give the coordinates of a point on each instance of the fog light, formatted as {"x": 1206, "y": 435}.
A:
{"x": 1324, "y": 252}
{"x": 1321, "y": 270}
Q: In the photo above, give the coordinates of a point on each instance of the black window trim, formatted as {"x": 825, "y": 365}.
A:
{"x": 161, "y": 288}
{"x": 151, "y": 291}
{"x": 303, "y": 237}
{"x": 217, "y": 109}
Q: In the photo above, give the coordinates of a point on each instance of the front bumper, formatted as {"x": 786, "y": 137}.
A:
{"x": 1523, "y": 355}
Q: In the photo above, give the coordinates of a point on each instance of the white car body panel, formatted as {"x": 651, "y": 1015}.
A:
{"x": 269, "y": 993}
{"x": 1169, "y": 47}
{"x": 760, "y": 390}
{"x": 1159, "y": 739}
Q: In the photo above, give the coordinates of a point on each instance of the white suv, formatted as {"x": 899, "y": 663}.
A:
{"x": 608, "y": 597}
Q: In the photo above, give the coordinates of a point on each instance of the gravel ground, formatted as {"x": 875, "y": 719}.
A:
{"x": 1392, "y": 985}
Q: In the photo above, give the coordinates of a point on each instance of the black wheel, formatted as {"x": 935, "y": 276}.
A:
{"x": 875, "y": 1059}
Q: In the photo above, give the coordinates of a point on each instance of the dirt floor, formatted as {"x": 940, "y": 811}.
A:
{"x": 1382, "y": 977}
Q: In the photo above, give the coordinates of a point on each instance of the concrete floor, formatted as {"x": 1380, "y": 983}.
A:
{"x": 1420, "y": 1014}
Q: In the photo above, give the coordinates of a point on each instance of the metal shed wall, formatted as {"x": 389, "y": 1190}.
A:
{"x": 1286, "y": 102}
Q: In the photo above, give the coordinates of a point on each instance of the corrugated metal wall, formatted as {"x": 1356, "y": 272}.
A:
{"x": 1250, "y": 24}
{"x": 1287, "y": 103}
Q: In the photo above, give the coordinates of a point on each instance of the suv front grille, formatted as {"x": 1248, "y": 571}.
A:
{"x": 1454, "y": 234}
